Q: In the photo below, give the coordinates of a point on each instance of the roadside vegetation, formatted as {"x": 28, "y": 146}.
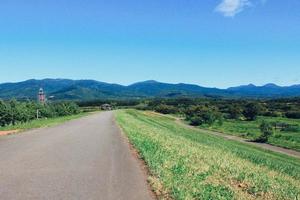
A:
{"x": 242, "y": 118}
{"x": 45, "y": 122}
{"x": 192, "y": 164}
{"x": 28, "y": 114}
{"x": 283, "y": 137}
{"x": 239, "y": 117}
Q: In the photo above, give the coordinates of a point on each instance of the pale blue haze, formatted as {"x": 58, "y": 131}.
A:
{"x": 124, "y": 41}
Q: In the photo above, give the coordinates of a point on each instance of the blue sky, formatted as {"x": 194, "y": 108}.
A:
{"x": 218, "y": 43}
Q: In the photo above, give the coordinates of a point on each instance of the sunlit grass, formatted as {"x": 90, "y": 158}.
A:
{"x": 190, "y": 164}
{"x": 41, "y": 123}
{"x": 250, "y": 130}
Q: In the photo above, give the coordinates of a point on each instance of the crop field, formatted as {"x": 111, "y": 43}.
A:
{"x": 250, "y": 130}
{"x": 191, "y": 164}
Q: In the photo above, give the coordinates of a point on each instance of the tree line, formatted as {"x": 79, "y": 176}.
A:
{"x": 13, "y": 112}
{"x": 244, "y": 109}
{"x": 247, "y": 109}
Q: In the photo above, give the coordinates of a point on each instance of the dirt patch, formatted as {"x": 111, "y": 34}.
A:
{"x": 2, "y": 133}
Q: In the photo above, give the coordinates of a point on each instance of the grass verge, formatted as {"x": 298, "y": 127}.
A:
{"x": 41, "y": 123}
{"x": 250, "y": 130}
{"x": 190, "y": 164}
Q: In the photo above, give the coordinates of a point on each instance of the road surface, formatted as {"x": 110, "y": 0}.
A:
{"x": 86, "y": 159}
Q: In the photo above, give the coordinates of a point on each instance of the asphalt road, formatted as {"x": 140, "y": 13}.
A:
{"x": 83, "y": 159}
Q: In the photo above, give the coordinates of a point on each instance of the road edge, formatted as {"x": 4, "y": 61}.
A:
{"x": 141, "y": 163}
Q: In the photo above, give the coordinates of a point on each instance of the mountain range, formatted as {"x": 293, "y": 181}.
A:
{"x": 66, "y": 89}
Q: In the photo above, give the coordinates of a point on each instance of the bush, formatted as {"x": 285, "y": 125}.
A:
{"x": 235, "y": 112}
{"x": 165, "y": 109}
{"x": 14, "y": 112}
{"x": 198, "y": 115}
{"x": 252, "y": 110}
{"x": 196, "y": 121}
{"x": 293, "y": 115}
{"x": 291, "y": 128}
{"x": 267, "y": 130}
{"x": 4, "y": 114}
{"x": 272, "y": 114}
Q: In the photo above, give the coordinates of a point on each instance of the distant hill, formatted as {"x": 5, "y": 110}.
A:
{"x": 66, "y": 89}
{"x": 267, "y": 91}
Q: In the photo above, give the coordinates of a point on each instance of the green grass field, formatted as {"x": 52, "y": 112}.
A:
{"x": 250, "y": 130}
{"x": 42, "y": 123}
{"x": 190, "y": 164}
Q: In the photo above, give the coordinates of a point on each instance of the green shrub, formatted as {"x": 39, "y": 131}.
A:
{"x": 272, "y": 114}
{"x": 14, "y": 112}
{"x": 252, "y": 110}
{"x": 267, "y": 130}
{"x": 165, "y": 109}
{"x": 204, "y": 115}
{"x": 235, "y": 112}
{"x": 293, "y": 115}
{"x": 291, "y": 128}
{"x": 196, "y": 121}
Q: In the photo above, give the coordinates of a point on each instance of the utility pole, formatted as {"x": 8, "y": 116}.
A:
{"x": 37, "y": 114}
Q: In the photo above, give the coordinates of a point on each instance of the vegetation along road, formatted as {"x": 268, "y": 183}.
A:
{"x": 86, "y": 158}
{"x": 277, "y": 149}
{"x": 186, "y": 163}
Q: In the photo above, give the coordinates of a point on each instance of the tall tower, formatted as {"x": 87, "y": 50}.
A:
{"x": 41, "y": 96}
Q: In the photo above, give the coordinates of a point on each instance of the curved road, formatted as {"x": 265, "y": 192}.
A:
{"x": 83, "y": 159}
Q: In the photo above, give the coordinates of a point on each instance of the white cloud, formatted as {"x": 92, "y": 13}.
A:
{"x": 229, "y": 8}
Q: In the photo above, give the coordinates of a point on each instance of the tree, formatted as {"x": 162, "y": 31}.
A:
{"x": 165, "y": 109}
{"x": 73, "y": 108}
{"x": 196, "y": 121}
{"x": 198, "y": 115}
{"x": 293, "y": 114}
{"x": 235, "y": 112}
{"x": 209, "y": 117}
{"x": 4, "y": 114}
{"x": 252, "y": 110}
{"x": 267, "y": 130}
{"x": 14, "y": 112}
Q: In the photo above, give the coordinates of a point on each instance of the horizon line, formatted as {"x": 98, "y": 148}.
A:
{"x": 150, "y": 80}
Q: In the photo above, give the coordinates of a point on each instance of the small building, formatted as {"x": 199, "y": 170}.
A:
{"x": 106, "y": 107}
